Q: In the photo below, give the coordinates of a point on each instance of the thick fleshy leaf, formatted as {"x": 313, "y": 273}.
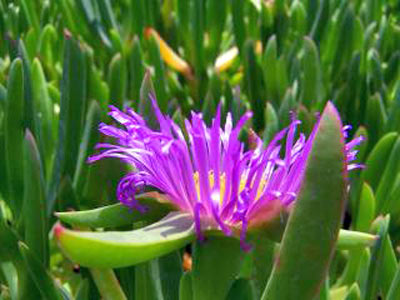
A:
{"x": 90, "y": 137}
{"x": 145, "y": 107}
{"x": 271, "y": 122}
{"x": 241, "y": 290}
{"x": 107, "y": 14}
{"x": 198, "y": 24}
{"x": 30, "y": 120}
{"x": 72, "y": 111}
{"x": 107, "y": 284}
{"x": 116, "y": 215}
{"x": 377, "y": 260}
{"x": 384, "y": 188}
{"x": 159, "y": 73}
{"x": 185, "y": 287}
{"x": 31, "y": 13}
{"x": 217, "y": 12}
{"x": 44, "y": 112}
{"x": 216, "y": 263}
{"x": 312, "y": 77}
{"x": 353, "y": 293}
{"x": 324, "y": 291}
{"x": 147, "y": 281}
{"x": 170, "y": 272}
{"x": 375, "y": 117}
{"x": 14, "y": 136}
{"x": 298, "y": 17}
{"x": 270, "y": 61}
{"x": 42, "y": 279}
{"x": 83, "y": 290}
{"x": 389, "y": 266}
{"x": 263, "y": 260}
{"x": 114, "y": 249}
{"x": 136, "y": 71}
{"x": 9, "y": 242}
{"x": 351, "y": 271}
{"x": 253, "y": 79}
{"x": 394, "y": 114}
{"x": 366, "y": 209}
{"x": 362, "y": 276}
{"x": 239, "y": 28}
{"x": 354, "y": 240}
{"x": 300, "y": 276}
{"x": 338, "y": 293}
{"x": 10, "y": 278}
{"x": 395, "y": 286}
{"x": 126, "y": 278}
{"x": 210, "y": 102}
{"x": 377, "y": 159}
{"x": 117, "y": 77}
{"x": 320, "y": 21}
{"x": 35, "y": 222}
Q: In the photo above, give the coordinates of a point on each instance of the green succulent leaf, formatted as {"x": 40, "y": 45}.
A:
{"x": 366, "y": 209}
{"x": 377, "y": 259}
{"x": 185, "y": 287}
{"x": 72, "y": 111}
{"x": 313, "y": 229}
{"x": 116, "y": 215}
{"x": 35, "y": 222}
{"x": 14, "y": 136}
{"x": 117, "y": 78}
{"x": 353, "y": 293}
{"x": 217, "y": 260}
{"x": 147, "y": 281}
{"x": 242, "y": 289}
{"x": 374, "y": 171}
{"x": 42, "y": 279}
{"x": 349, "y": 240}
{"x": 113, "y": 249}
{"x": 395, "y": 286}
{"x": 108, "y": 284}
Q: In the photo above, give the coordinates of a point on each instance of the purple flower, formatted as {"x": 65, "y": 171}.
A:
{"x": 209, "y": 173}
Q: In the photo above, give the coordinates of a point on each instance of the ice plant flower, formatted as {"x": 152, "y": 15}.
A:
{"x": 209, "y": 173}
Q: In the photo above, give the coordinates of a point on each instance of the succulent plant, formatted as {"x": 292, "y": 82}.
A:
{"x": 205, "y": 221}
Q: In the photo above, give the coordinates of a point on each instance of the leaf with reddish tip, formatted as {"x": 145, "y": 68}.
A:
{"x": 114, "y": 249}
{"x": 314, "y": 223}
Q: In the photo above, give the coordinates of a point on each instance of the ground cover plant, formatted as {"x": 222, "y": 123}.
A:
{"x": 199, "y": 149}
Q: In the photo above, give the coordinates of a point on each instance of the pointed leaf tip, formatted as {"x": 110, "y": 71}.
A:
{"x": 322, "y": 196}
{"x": 331, "y": 110}
{"x": 28, "y": 135}
{"x": 58, "y": 230}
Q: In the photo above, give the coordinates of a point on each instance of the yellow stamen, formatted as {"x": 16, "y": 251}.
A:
{"x": 222, "y": 182}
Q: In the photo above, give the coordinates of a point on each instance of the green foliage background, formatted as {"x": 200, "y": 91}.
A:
{"x": 62, "y": 62}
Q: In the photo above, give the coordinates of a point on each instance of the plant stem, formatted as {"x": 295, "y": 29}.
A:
{"x": 108, "y": 285}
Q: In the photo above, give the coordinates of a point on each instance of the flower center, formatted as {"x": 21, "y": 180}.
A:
{"x": 222, "y": 184}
